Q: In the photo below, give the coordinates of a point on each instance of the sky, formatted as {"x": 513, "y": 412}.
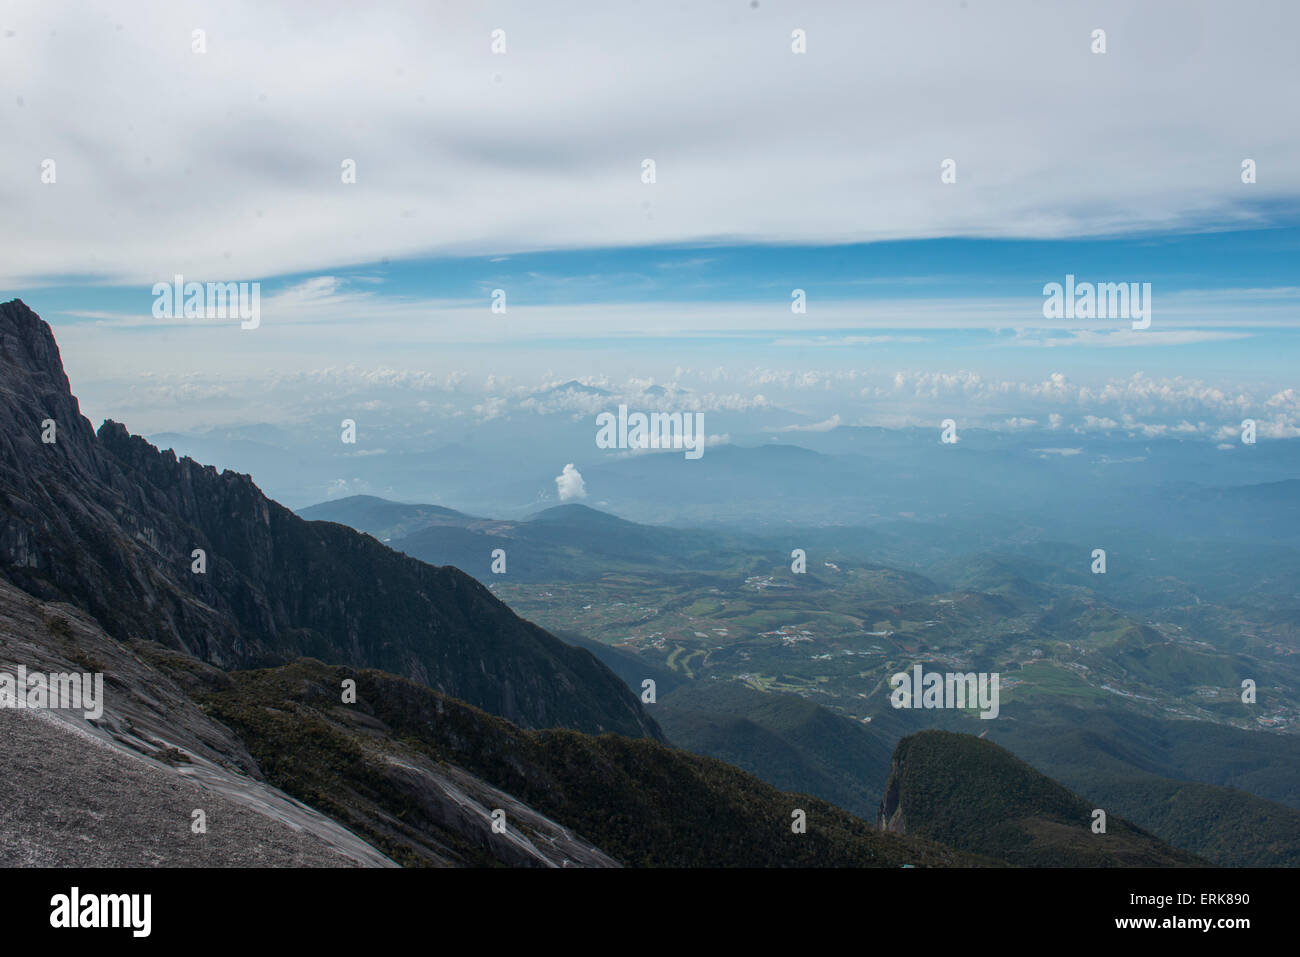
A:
{"x": 136, "y": 150}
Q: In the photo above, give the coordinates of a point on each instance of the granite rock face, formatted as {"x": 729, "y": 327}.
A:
{"x": 119, "y": 789}
{"x": 110, "y": 524}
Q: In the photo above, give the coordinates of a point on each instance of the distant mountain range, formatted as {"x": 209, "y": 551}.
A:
{"x": 562, "y": 543}
{"x": 793, "y": 743}
{"x": 1152, "y": 773}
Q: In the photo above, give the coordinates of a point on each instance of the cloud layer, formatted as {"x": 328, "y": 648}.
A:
{"x": 227, "y": 164}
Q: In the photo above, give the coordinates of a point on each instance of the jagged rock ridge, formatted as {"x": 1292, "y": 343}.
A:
{"x": 109, "y": 523}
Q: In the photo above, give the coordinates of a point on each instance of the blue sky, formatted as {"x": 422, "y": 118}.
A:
{"x": 1232, "y": 260}
{"x": 927, "y": 302}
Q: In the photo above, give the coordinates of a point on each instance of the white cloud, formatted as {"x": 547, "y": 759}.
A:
{"x": 493, "y": 407}
{"x": 570, "y": 485}
{"x": 1138, "y": 394}
{"x": 1132, "y": 338}
{"x": 818, "y": 341}
{"x": 824, "y": 426}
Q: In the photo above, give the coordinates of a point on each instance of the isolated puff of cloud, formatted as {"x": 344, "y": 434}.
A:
{"x": 570, "y": 485}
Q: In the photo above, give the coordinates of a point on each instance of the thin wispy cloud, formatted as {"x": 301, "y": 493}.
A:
{"x": 1127, "y": 338}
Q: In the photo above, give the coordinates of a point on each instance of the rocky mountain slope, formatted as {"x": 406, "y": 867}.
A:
{"x": 120, "y": 790}
{"x": 109, "y": 523}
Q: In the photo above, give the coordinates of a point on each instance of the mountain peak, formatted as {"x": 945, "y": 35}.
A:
{"x": 571, "y": 387}
{"x": 574, "y": 512}
{"x": 27, "y": 346}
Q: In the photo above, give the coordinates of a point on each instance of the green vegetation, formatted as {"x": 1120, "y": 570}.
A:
{"x": 972, "y": 794}
{"x": 1181, "y": 780}
{"x": 786, "y": 740}
{"x": 639, "y": 801}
